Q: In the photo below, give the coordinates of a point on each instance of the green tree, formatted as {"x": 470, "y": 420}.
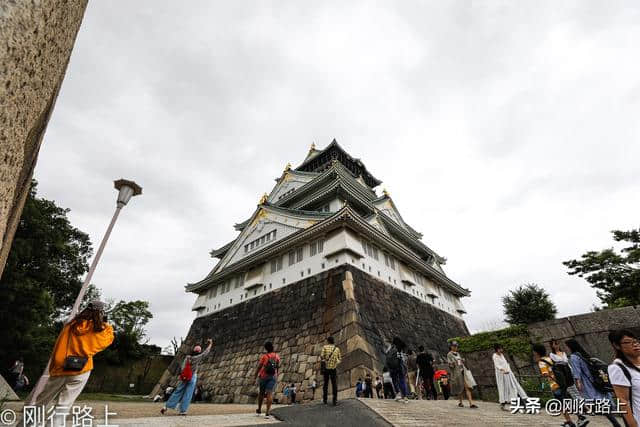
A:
{"x": 41, "y": 279}
{"x": 129, "y": 319}
{"x": 615, "y": 274}
{"x": 528, "y": 303}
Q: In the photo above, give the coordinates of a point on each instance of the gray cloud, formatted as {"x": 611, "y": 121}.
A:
{"x": 506, "y": 132}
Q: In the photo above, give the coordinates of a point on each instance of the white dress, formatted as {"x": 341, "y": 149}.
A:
{"x": 508, "y": 386}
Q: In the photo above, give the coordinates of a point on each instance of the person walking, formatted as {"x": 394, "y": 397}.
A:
{"x": 460, "y": 384}
{"x": 387, "y": 384}
{"x": 330, "y": 358}
{"x": 378, "y": 386}
{"x": 359, "y": 387}
{"x": 396, "y": 360}
{"x": 72, "y": 361}
{"x": 579, "y": 360}
{"x": 313, "y": 387}
{"x": 267, "y": 372}
{"x": 424, "y": 360}
{"x": 561, "y": 363}
{"x": 508, "y": 386}
{"x": 183, "y": 394}
{"x": 556, "y": 379}
{"x": 292, "y": 393}
{"x": 442, "y": 379}
{"x": 624, "y": 374}
{"x": 368, "y": 386}
{"x": 16, "y": 371}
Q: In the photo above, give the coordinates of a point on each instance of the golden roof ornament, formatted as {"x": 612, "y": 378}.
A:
{"x": 287, "y": 167}
{"x": 385, "y": 192}
{"x": 313, "y": 147}
{"x": 263, "y": 199}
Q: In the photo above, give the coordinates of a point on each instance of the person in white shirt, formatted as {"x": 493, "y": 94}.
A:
{"x": 624, "y": 374}
{"x": 508, "y": 386}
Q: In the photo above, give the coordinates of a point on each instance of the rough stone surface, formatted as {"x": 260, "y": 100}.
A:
{"x": 36, "y": 38}
{"x": 362, "y": 313}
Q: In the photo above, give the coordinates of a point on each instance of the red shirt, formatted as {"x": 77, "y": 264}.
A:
{"x": 263, "y": 362}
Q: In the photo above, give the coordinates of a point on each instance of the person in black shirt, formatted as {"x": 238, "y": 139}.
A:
{"x": 425, "y": 364}
{"x": 368, "y": 391}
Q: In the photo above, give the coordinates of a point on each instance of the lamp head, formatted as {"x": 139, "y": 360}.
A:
{"x": 127, "y": 189}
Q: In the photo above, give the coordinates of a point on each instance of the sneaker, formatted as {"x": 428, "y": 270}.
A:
{"x": 398, "y": 398}
{"x": 267, "y": 416}
{"x": 258, "y": 412}
{"x": 583, "y": 422}
{"x": 568, "y": 424}
{"x": 184, "y": 414}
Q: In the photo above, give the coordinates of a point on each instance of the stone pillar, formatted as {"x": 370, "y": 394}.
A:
{"x": 36, "y": 39}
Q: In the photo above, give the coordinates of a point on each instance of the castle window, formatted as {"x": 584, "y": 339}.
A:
{"x": 292, "y": 258}
{"x": 230, "y": 300}
{"x": 392, "y": 262}
{"x": 323, "y": 265}
{"x": 269, "y": 285}
{"x": 283, "y": 280}
{"x": 386, "y": 260}
{"x": 298, "y": 254}
{"x": 313, "y": 248}
{"x": 276, "y": 264}
{"x": 320, "y": 245}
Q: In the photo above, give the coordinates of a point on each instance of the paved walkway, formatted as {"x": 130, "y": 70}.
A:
{"x": 199, "y": 420}
{"x": 447, "y": 413}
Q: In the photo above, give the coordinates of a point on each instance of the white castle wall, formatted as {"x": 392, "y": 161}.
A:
{"x": 340, "y": 248}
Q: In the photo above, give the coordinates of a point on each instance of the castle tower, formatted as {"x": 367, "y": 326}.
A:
{"x": 322, "y": 254}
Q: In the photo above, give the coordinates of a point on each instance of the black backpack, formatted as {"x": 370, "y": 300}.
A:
{"x": 271, "y": 366}
{"x": 562, "y": 374}
{"x": 392, "y": 359}
{"x": 599, "y": 374}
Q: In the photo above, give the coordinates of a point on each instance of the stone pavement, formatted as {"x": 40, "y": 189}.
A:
{"x": 199, "y": 420}
{"x": 447, "y": 413}
{"x": 348, "y": 413}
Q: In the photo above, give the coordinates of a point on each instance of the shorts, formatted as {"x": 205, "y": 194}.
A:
{"x": 560, "y": 394}
{"x": 267, "y": 385}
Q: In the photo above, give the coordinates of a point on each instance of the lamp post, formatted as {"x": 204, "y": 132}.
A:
{"x": 126, "y": 190}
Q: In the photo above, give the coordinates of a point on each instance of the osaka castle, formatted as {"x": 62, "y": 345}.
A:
{"x": 325, "y": 213}
{"x": 326, "y": 252}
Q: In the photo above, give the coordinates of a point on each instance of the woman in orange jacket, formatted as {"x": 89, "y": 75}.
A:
{"x": 86, "y": 335}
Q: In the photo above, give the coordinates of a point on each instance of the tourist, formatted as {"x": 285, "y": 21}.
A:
{"x": 396, "y": 361}
{"x": 359, "y": 387}
{"x": 412, "y": 375}
{"x": 424, "y": 360}
{"x": 72, "y": 361}
{"x": 268, "y": 372}
{"x": 579, "y": 360}
{"x": 285, "y": 394}
{"x": 16, "y": 370}
{"x": 387, "y": 384}
{"x": 559, "y": 390}
{"x": 21, "y": 383}
{"x": 378, "y": 386}
{"x": 292, "y": 393}
{"x": 508, "y": 386}
{"x": 562, "y": 368}
{"x": 330, "y": 359}
{"x": 368, "y": 386}
{"x": 624, "y": 374}
{"x": 183, "y": 394}
{"x": 313, "y": 387}
{"x": 460, "y": 381}
{"x": 442, "y": 380}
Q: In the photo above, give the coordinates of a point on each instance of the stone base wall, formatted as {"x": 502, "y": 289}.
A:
{"x": 36, "y": 39}
{"x": 362, "y": 313}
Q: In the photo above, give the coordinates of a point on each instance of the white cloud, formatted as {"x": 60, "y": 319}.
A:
{"x": 506, "y": 132}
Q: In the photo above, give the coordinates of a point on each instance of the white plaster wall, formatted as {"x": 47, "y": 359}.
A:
{"x": 312, "y": 265}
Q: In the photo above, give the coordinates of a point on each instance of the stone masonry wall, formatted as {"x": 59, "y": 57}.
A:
{"x": 36, "y": 38}
{"x": 362, "y": 313}
{"x": 589, "y": 329}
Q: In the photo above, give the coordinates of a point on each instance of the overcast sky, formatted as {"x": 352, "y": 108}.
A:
{"x": 506, "y": 132}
